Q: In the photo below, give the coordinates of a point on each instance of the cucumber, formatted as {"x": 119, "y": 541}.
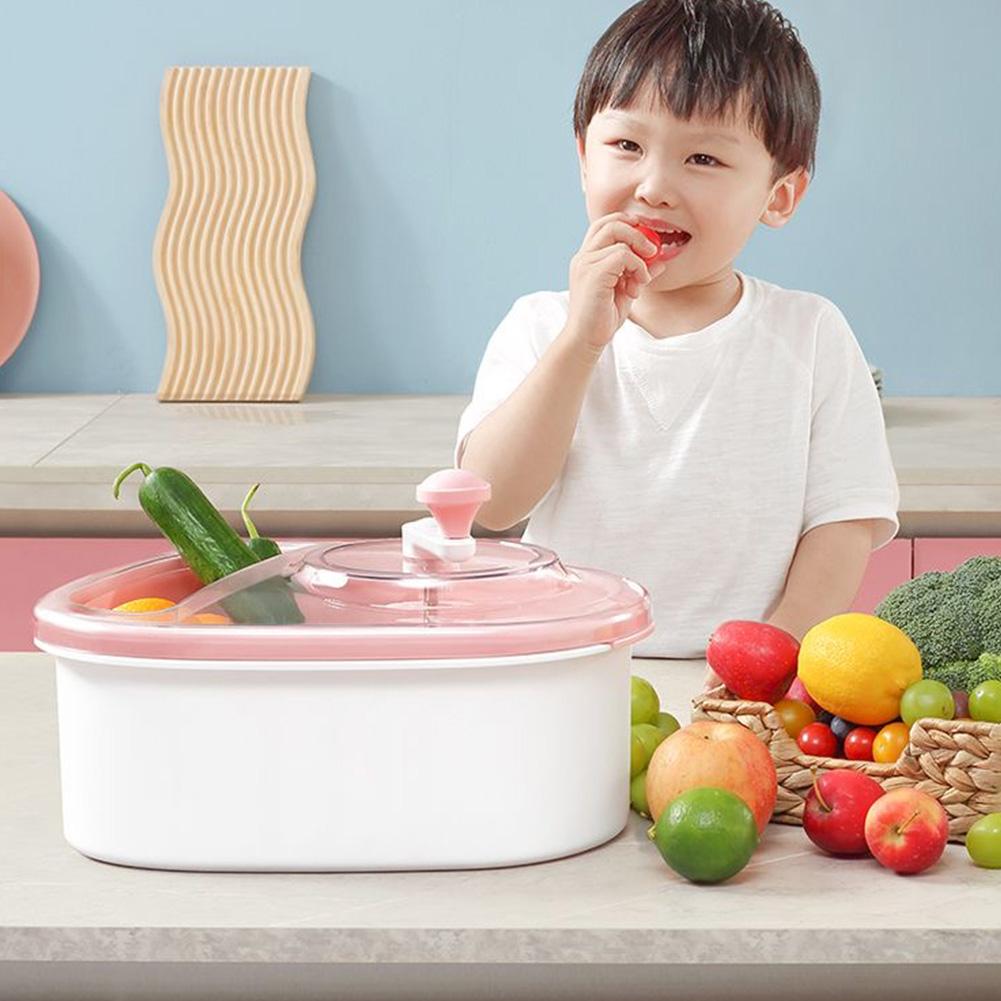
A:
{"x": 262, "y": 548}
{"x": 208, "y": 544}
{"x": 188, "y": 518}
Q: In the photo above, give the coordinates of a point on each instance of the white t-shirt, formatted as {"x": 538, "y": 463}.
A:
{"x": 699, "y": 460}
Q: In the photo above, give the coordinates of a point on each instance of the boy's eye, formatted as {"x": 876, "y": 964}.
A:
{"x": 620, "y": 144}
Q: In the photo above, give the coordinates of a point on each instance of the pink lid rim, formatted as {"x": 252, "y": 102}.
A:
{"x": 58, "y": 623}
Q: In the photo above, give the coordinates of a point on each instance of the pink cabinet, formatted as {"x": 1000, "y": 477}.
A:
{"x": 31, "y": 567}
{"x": 888, "y": 568}
{"x": 903, "y": 559}
{"x": 947, "y": 554}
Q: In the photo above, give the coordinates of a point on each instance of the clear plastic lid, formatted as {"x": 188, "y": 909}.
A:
{"x": 374, "y": 599}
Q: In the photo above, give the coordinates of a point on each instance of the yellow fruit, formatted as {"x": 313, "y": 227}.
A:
{"x": 144, "y": 605}
{"x": 212, "y": 619}
{"x": 857, "y": 667}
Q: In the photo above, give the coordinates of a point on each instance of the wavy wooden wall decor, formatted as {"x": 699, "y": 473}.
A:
{"x": 227, "y": 252}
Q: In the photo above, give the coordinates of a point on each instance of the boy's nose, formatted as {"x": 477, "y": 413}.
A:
{"x": 657, "y": 189}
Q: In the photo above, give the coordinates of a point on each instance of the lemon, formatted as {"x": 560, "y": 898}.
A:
{"x": 857, "y": 666}
{"x": 144, "y": 605}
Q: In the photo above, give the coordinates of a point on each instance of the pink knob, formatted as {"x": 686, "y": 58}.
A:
{"x": 453, "y": 496}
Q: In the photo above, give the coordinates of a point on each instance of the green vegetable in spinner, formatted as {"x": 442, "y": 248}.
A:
{"x": 208, "y": 544}
{"x": 262, "y": 548}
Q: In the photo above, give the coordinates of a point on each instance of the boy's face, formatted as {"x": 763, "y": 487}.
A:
{"x": 711, "y": 179}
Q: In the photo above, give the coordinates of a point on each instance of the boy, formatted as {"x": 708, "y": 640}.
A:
{"x": 710, "y": 435}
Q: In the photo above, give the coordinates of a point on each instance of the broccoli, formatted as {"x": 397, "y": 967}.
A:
{"x": 988, "y": 610}
{"x": 973, "y": 576}
{"x": 953, "y": 675}
{"x": 988, "y": 669}
{"x": 950, "y": 617}
{"x": 965, "y": 675}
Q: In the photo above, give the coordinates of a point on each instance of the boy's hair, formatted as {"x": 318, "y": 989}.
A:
{"x": 716, "y": 59}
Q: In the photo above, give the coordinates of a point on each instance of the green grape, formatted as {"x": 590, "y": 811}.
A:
{"x": 926, "y": 698}
{"x": 645, "y": 702}
{"x": 983, "y": 841}
{"x": 637, "y": 794}
{"x": 666, "y": 723}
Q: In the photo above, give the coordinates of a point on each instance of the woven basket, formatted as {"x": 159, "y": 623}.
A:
{"x": 956, "y": 761}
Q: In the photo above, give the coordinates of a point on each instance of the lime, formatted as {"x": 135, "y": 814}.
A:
{"x": 666, "y": 723}
{"x": 706, "y": 834}
{"x": 637, "y": 794}
{"x": 645, "y": 703}
{"x": 983, "y": 841}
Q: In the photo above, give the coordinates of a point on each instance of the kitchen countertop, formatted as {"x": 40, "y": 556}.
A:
{"x": 348, "y": 465}
{"x": 615, "y": 919}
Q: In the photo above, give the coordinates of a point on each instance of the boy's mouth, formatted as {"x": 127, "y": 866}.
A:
{"x": 673, "y": 238}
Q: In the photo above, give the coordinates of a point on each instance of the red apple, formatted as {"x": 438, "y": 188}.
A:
{"x": 907, "y": 830}
{"x": 723, "y": 755}
{"x": 756, "y": 661}
{"x": 835, "y": 810}
{"x": 797, "y": 690}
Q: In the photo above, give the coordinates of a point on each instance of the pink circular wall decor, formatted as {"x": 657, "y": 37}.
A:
{"x": 19, "y": 277}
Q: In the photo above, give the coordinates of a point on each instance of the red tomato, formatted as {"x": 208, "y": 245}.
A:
{"x": 858, "y": 743}
{"x": 819, "y": 739}
{"x": 652, "y": 236}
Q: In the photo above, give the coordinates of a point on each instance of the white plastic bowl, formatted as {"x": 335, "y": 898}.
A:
{"x": 311, "y": 766}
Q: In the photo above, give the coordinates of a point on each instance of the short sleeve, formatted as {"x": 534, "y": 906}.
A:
{"x": 511, "y": 353}
{"x": 850, "y": 472}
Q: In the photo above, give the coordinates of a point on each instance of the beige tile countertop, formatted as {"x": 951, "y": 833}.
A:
{"x": 609, "y": 922}
{"x": 348, "y": 465}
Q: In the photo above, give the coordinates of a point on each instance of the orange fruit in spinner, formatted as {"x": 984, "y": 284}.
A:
{"x": 144, "y": 605}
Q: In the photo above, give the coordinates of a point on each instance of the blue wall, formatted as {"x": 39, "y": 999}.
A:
{"x": 447, "y": 178}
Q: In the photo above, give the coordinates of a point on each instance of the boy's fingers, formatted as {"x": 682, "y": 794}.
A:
{"x": 618, "y": 261}
{"x": 615, "y": 229}
{"x": 631, "y": 264}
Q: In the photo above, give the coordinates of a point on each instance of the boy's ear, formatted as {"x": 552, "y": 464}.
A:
{"x": 580, "y": 158}
{"x": 785, "y": 196}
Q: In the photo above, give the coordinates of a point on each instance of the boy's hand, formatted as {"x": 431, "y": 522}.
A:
{"x": 606, "y": 275}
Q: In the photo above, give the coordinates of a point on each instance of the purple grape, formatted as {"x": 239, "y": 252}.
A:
{"x": 962, "y": 701}
{"x": 841, "y": 727}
